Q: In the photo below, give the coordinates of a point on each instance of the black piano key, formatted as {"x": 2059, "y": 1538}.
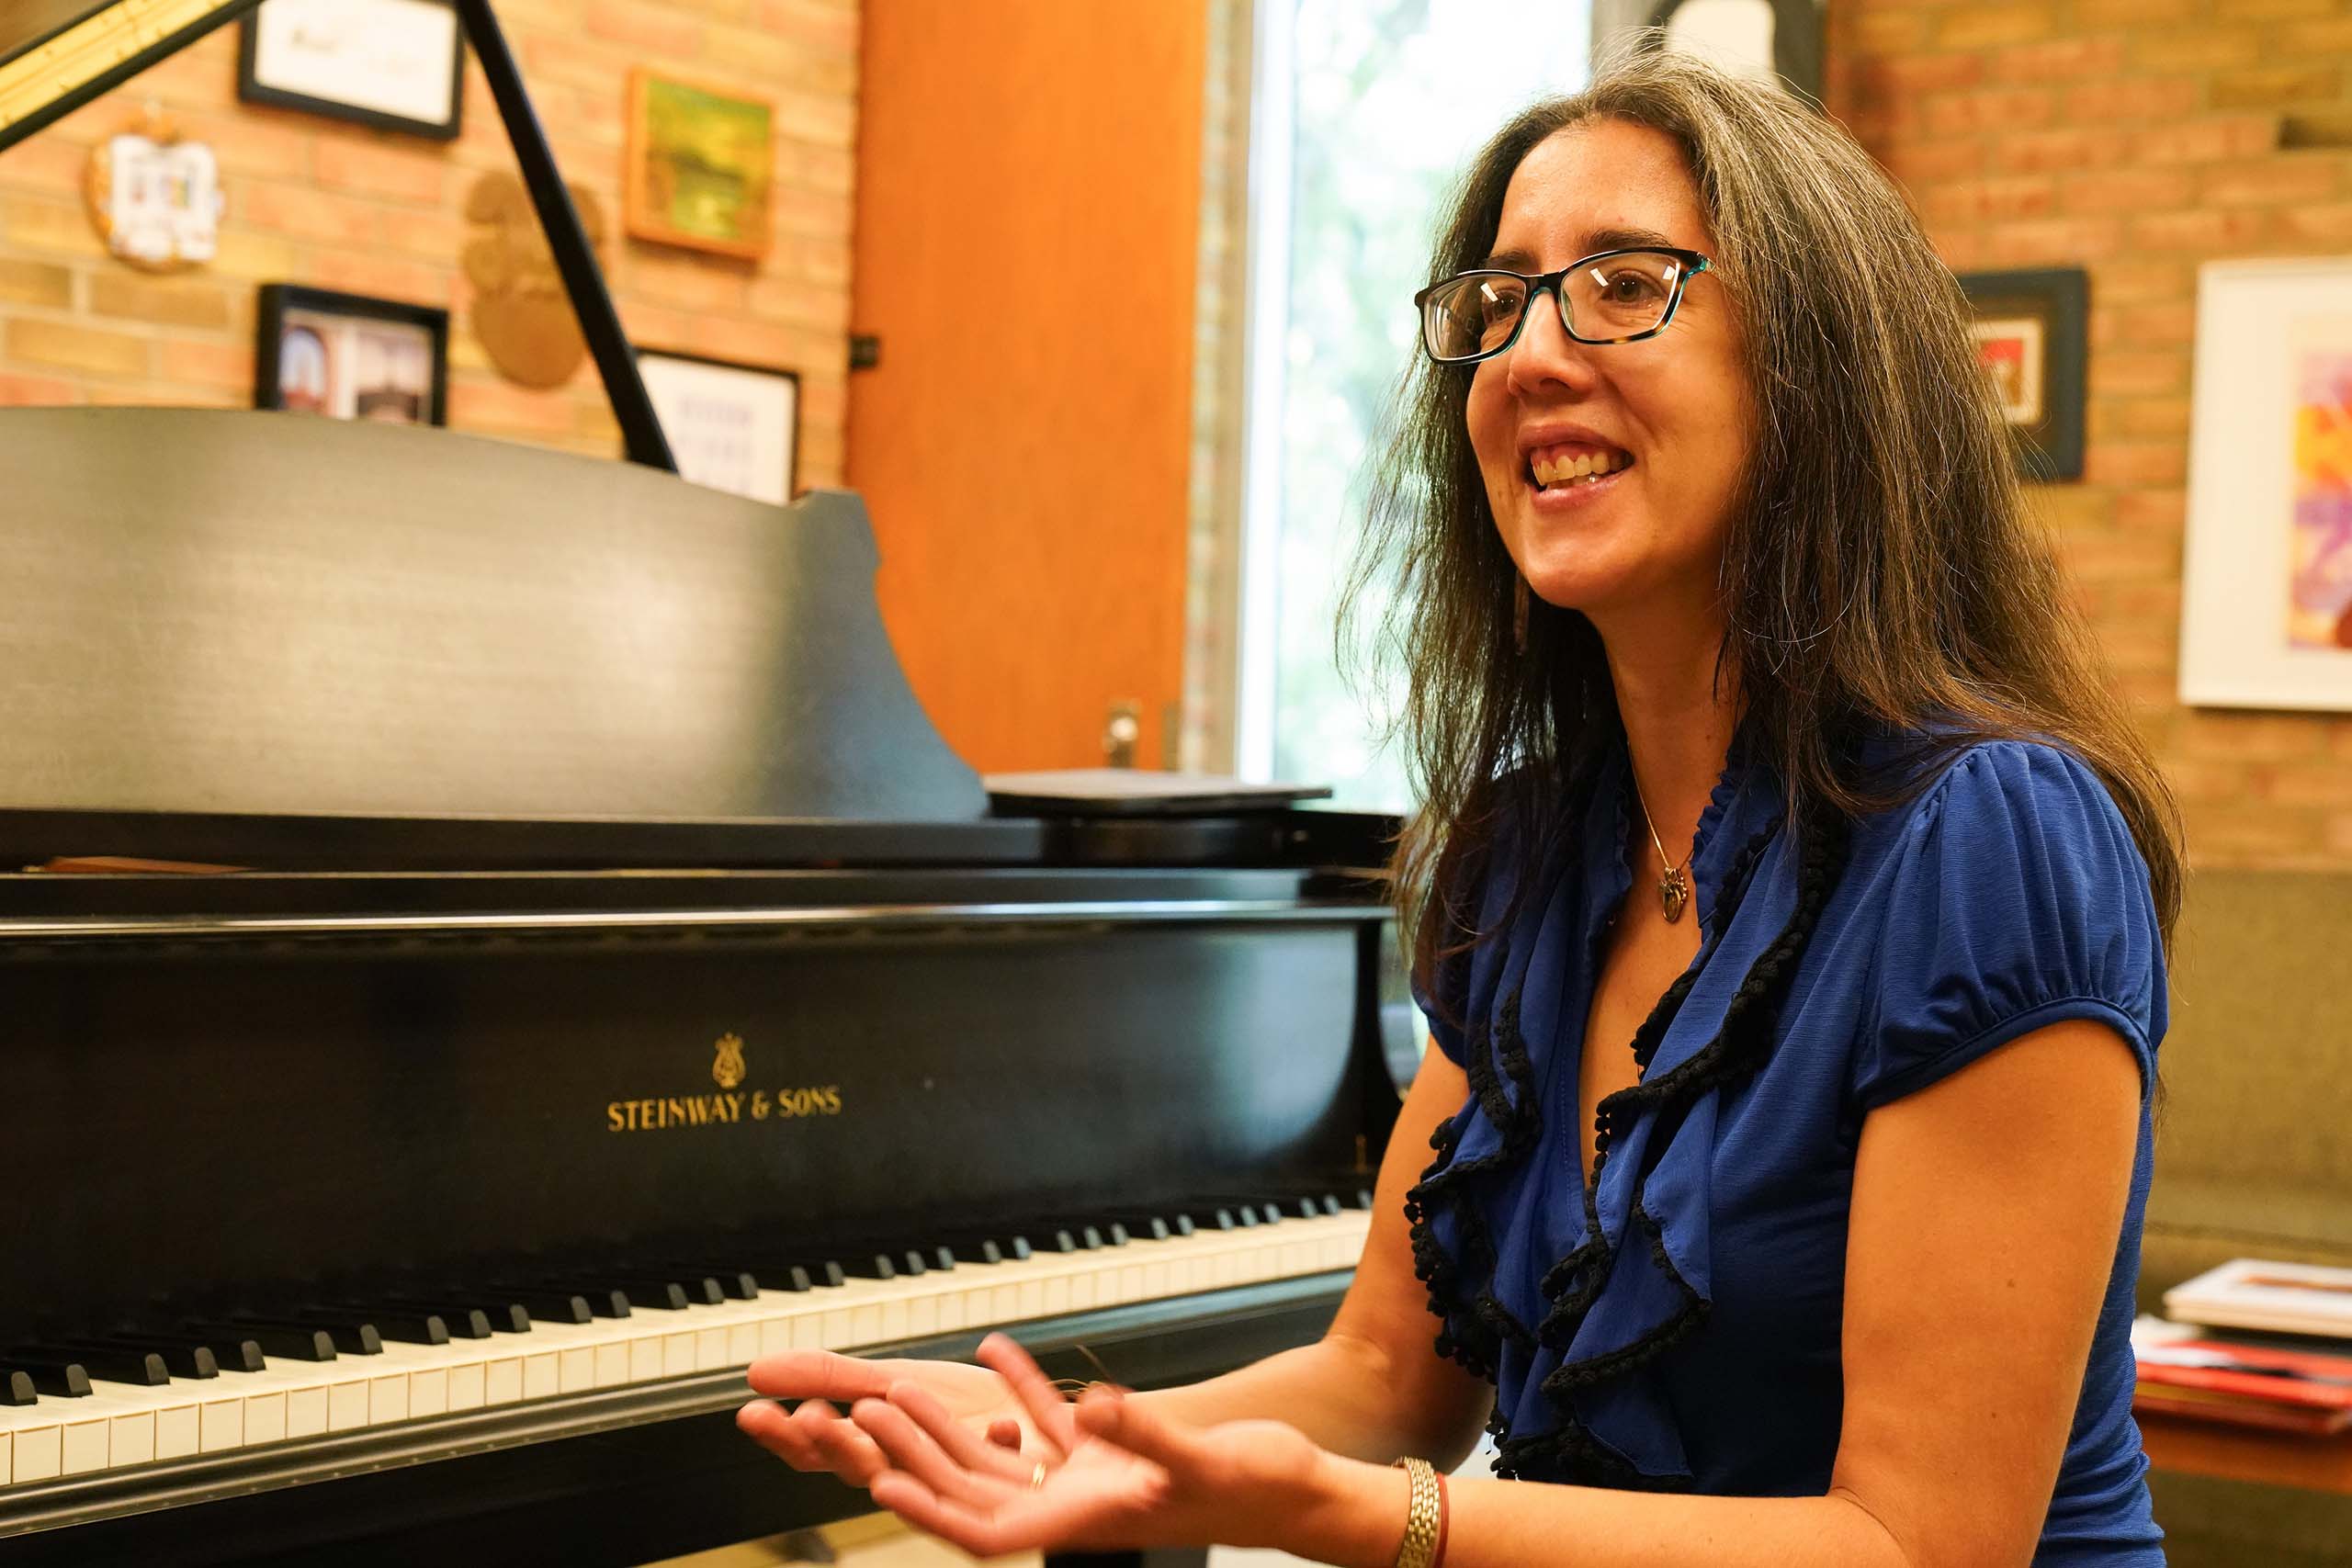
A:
{"x": 295, "y": 1341}
{"x": 1213, "y": 1216}
{"x": 870, "y": 1266}
{"x": 990, "y": 1245}
{"x": 108, "y": 1363}
{"x": 735, "y": 1284}
{"x": 1151, "y": 1225}
{"x": 191, "y": 1361}
{"x": 658, "y": 1295}
{"x": 565, "y": 1303}
{"x": 353, "y": 1334}
{"x": 410, "y": 1313}
{"x": 671, "y": 1292}
{"x": 941, "y": 1257}
{"x": 1330, "y": 1203}
{"x": 60, "y": 1378}
{"x": 228, "y": 1352}
{"x": 16, "y": 1388}
{"x": 1363, "y": 1199}
{"x": 797, "y": 1273}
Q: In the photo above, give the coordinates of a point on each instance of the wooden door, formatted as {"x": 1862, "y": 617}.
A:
{"x": 1028, "y": 193}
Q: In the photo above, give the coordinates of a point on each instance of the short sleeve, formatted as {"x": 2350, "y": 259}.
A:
{"x": 2017, "y": 899}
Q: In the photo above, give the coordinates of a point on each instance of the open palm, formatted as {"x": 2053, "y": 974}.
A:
{"x": 1126, "y": 1479}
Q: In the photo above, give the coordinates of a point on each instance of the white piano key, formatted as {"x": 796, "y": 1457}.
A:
{"x": 542, "y": 1377}
{"x": 503, "y": 1380}
{"x": 39, "y": 1451}
{"x": 221, "y": 1425}
{"x": 264, "y": 1418}
{"x": 467, "y": 1385}
{"x": 178, "y": 1431}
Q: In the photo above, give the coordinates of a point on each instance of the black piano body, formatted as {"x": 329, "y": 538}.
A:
{"x": 437, "y": 1036}
{"x": 605, "y": 922}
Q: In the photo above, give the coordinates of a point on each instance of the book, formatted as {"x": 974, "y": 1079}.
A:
{"x": 2279, "y": 1297}
{"x": 2256, "y": 1385}
{"x": 2154, "y": 1399}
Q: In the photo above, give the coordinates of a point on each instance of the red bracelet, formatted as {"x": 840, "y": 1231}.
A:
{"x": 1444, "y": 1515}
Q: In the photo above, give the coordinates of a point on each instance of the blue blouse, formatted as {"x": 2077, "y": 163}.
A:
{"x": 1677, "y": 1326}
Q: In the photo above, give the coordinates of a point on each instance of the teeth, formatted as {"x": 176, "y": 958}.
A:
{"x": 1583, "y": 466}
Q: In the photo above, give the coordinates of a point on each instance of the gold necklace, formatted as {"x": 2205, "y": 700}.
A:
{"x": 1673, "y": 887}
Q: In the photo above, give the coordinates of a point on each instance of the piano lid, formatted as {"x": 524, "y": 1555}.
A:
{"x": 56, "y": 55}
{"x": 218, "y": 611}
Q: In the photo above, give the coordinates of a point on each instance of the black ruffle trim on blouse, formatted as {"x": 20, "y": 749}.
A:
{"x": 1474, "y": 1323}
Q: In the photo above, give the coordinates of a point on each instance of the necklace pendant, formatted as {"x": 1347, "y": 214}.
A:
{"x": 1673, "y": 892}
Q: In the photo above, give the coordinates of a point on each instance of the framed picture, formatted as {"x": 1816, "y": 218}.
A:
{"x": 2032, "y": 338}
{"x": 2266, "y": 591}
{"x": 732, "y": 427}
{"x": 394, "y": 64}
{"x": 700, "y": 162}
{"x": 348, "y": 356}
{"x": 1760, "y": 39}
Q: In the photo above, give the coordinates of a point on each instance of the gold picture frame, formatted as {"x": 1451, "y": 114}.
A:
{"x": 701, "y": 165}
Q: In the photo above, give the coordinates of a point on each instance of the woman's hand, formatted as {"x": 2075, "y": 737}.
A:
{"x": 815, "y": 1435}
{"x": 1123, "y": 1477}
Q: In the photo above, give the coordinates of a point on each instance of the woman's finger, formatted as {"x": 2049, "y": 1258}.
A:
{"x": 1116, "y": 1419}
{"x": 841, "y": 1446}
{"x": 820, "y": 1374}
{"x": 912, "y": 1449}
{"x": 1047, "y": 1409}
{"x": 997, "y": 1461}
{"x": 764, "y": 1422}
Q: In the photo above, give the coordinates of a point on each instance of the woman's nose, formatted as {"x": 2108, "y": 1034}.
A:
{"x": 1544, "y": 353}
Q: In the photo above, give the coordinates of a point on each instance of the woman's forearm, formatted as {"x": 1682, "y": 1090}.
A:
{"x": 1345, "y": 1394}
{"x": 1357, "y": 1520}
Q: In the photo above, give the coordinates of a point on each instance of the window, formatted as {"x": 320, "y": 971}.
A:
{"x": 1363, "y": 114}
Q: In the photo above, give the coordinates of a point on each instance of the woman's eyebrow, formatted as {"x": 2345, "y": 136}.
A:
{"x": 1594, "y": 241}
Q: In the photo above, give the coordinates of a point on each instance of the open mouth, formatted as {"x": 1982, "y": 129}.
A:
{"x": 1575, "y": 465}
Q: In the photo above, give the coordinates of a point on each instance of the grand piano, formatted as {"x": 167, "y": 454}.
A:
{"x": 500, "y": 947}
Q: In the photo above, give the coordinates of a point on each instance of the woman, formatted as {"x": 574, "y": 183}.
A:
{"x": 1790, "y": 903}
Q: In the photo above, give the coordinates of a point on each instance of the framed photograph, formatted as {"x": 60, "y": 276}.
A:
{"x": 394, "y": 64}
{"x": 348, "y": 356}
{"x": 700, "y": 162}
{"x": 2032, "y": 338}
{"x": 1760, "y": 39}
{"x": 732, "y": 427}
{"x": 2267, "y": 590}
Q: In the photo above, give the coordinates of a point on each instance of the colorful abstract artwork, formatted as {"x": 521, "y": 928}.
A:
{"x": 2267, "y": 567}
{"x": 2319, "y": 610}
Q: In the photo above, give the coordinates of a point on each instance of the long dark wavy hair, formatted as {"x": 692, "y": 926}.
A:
{"x": 1883, "y": 570}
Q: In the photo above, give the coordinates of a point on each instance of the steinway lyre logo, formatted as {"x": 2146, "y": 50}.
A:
{"x": 728, "y": 1071}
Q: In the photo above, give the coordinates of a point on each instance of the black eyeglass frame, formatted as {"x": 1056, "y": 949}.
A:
{"x": 1693, "y": 263}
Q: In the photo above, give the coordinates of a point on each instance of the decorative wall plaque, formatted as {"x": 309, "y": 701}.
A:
{"x": 155, "y": 198}
{"x": 522, "y": 314}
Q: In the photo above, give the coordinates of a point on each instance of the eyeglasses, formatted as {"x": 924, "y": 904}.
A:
{"x": 1613, "y": 297}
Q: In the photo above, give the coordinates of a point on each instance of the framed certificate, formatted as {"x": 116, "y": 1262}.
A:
{"x": 394, "y": 64}
{"x": 732, "y": 427}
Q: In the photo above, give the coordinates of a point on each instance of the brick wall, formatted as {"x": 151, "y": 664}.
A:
{"x": 2138, "y": 138}
{"x": 323, "y": 202}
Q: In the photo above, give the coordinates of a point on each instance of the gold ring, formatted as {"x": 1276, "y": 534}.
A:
{"x": 1037, "y": 1477}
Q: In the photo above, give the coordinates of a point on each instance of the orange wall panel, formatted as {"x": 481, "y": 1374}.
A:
{"x": 1028, "y": 193}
